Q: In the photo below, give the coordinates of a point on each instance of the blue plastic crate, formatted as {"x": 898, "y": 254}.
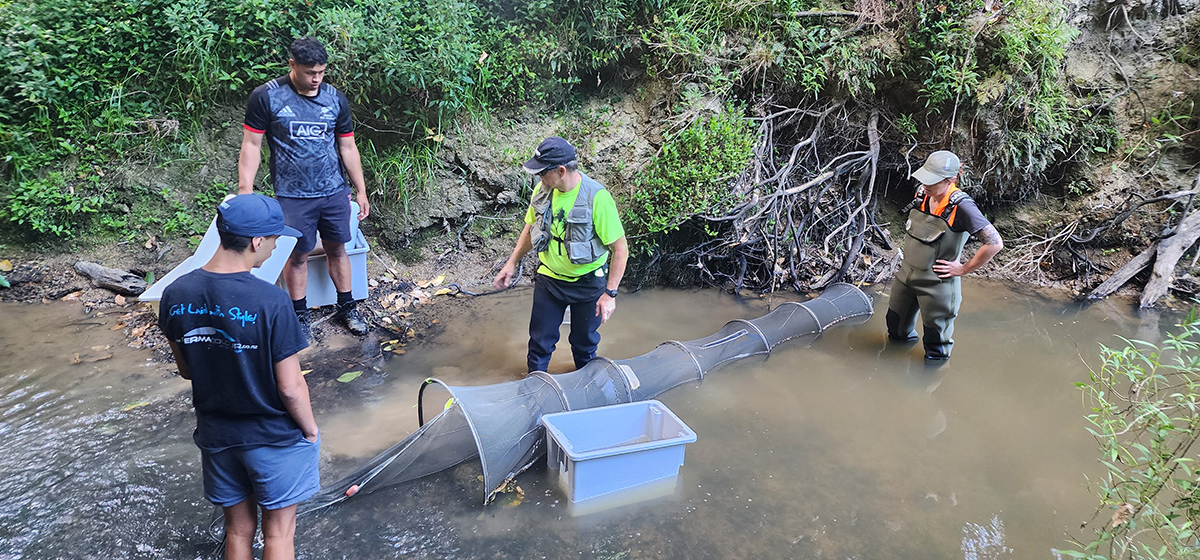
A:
{"x": 615, "y": 449}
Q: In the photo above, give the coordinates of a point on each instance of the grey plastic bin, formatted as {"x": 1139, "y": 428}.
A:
{"x": 619, "y": 448}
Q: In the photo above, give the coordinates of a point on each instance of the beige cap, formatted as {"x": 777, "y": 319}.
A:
{"x": 939, "y": 166}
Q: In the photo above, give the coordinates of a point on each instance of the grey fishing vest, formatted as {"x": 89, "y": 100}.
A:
{"x": 582, "y": 244}
{"x": 930, "y": 238}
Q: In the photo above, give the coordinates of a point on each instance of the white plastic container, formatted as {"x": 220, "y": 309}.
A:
{"x": 269, "y": 270}
{"x": 320, "y": 290}
{"x": 620, "y": 449}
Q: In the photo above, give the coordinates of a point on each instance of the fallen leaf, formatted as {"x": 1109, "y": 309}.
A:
{"x": 305, "y": 371}
{"x": 411, "y": 333}
{"x": 438, "y": 281}
{"x": 404, "y": 315}
{"x": 139, "y": 331}
{"x": 442, "y": 292}
{"x": 134, "y": 405}
{"x": 392, "y": 341}
{"x": 398, "y": 351}
{"x": 117, "y": 327}
{"x": 150, "y": 242}
{"x": 119, "y": 299}
{"x": 99, "y": 348}
{"x": 1122, "y": 515}
{"x": 76, "y": 360}
{"x": 349, "y": 376}
{"x": 5, "y": 265}
{"x": 73, "y": 296}
{"x": 433, "y": 322}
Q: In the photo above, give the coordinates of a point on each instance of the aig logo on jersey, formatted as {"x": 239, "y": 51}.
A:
{"x": 300, "y": 130}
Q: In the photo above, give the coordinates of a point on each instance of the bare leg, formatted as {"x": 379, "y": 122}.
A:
{"x": 295, "y": 273}
{"x": 279, "y": 533}
{"x": 240, "y": 522}
{"x": 339, "y": 265}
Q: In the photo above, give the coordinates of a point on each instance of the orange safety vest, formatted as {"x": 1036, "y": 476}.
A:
{"x": 948, "y": 209}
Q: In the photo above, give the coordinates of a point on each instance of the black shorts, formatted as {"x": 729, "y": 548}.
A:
{"x": 329, "y": 215}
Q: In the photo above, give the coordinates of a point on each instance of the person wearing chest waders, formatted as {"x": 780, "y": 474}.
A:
{"x": 573, "y": 225}
{"x": 236, "y": 338}
{"x": 940, "y": 220}
{"x": 310, "y": 132}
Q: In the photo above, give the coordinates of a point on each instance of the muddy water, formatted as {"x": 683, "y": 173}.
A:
{"x": 849, "y": 448}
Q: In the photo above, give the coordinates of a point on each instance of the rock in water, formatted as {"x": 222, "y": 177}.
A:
{"x": 117, "y": 280}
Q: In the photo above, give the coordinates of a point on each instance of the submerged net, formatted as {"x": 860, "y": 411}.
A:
{"x": 501, "y": 423}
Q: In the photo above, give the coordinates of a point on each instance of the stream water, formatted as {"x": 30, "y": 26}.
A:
{"x": 848, "y": 448}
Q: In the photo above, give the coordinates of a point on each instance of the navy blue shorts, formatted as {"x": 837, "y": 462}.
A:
{"x": 329, "y": 215}
{"x": 275, "y": 476}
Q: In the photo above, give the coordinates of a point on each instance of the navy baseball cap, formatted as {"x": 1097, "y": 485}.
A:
{"x": 552, "y": 152}
{"x": 253, "y": 215}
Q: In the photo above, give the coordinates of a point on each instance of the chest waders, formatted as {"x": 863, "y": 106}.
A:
{"x": 579, "y": 239}
{"x": 918, "y": 288}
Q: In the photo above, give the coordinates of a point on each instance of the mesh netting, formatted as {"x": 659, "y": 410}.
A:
{"x": 501, "y": 424}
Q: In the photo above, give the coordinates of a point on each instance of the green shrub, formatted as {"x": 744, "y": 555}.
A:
{"x": 691, "y": 174}
{"x": 49, "y": 206}
{"x": 1145, "y": 415}
{"x": 942, "y": 47}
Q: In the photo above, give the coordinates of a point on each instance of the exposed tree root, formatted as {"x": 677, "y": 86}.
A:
{"x": 802, "y": 215}
{"x": 1070, "y": 245}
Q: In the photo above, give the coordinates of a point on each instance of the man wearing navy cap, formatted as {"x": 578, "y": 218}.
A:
{"x": 573, "y": 225}
{"x": 940, "y": 220}
{"x": 236, "y": 338}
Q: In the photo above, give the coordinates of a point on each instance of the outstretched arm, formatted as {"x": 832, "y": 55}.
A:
{"x": 184, "y": 372}
{"x": 524, "y": 245}
{"x": 616, "y": 270}
{"x": 293, "y": 391}
{"x": 992, "y": 243}
{"x": 348, "y": 149}
{"x": 248, "y": 160}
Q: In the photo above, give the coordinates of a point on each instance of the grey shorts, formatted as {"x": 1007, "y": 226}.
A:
{"x": 327, "y": 215}
{"x": 276, "y": 476}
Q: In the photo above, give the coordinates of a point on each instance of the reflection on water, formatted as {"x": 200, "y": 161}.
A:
{"x": 850, "y": 448}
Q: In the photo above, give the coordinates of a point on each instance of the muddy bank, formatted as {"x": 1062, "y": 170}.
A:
{"x": 462, "y": 223}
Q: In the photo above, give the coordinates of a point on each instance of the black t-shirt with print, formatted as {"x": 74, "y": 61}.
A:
{"x": 231, "y": 329}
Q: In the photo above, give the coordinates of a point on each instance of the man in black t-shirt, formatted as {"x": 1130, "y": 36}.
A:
{"x": 236, "y": 338}
{"x": 308, "y": 127}
{"x": 940, "y": 219}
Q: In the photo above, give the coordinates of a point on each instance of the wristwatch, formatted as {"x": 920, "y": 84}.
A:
{"x": 611, "y": 293}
